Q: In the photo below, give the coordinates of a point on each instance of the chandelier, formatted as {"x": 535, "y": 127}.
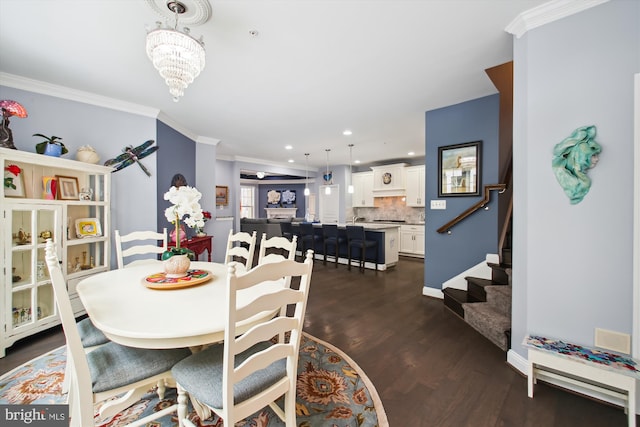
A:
{"x": 175, "y": 54}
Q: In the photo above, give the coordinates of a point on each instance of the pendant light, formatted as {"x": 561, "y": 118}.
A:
{"x": 350, "y": 187}
{"x": 327, "y": 177}
{"x": 306, "y": 171}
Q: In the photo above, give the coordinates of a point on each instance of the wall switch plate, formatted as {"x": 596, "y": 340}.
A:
{"x": 438, "y": 204}
{"x": 611, "y": 340}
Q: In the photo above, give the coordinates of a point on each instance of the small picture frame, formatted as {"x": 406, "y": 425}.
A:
{"x": 88, "y": 227}
{"x": 67, "y": 187}
{"x": 222, "y": 195}
{"x": 459, "y": 168}
{"x": 13, "y": 181}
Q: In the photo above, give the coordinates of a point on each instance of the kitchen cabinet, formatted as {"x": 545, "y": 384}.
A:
{"x": 412, "y": 240}
{"x": 415, "y": 186}
{"x": 33, "y": 212}
{"x": 389, "y": 180}
{"x": 362, "y": 190}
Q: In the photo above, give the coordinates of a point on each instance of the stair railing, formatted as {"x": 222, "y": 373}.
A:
{"x": 481, "y": 204}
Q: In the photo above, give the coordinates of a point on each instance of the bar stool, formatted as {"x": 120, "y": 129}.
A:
{"x": 308, "y": 237}
{"x": 331, "y": 238}
{"x": 356, "y": 238}
{"x": 287, "y": 230}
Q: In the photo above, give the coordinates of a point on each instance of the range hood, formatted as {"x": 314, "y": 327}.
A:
{"x": 389, "y": 180}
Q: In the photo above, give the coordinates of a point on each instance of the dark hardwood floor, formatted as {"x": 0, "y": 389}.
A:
{"x": 429, "y": 367}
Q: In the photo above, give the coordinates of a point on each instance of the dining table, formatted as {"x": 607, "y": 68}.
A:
{"x": 135, "y": 310}
{"x": 122, "y": 305}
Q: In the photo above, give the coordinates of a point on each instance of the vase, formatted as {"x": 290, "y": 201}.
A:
{"x": 53, "y": 150}
{"x": 183, "y": 235}
{"x": 176, "y": 266}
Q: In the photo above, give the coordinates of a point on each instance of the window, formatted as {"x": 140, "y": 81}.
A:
{"x": 247, "y": 202}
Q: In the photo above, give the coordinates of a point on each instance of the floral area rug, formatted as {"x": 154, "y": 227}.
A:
{"x": 332, "y": 391}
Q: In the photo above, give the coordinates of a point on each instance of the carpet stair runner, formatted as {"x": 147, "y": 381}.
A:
{"x": 486, "y": 304}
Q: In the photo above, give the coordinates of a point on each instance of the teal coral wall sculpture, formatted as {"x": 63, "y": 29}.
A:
{"x": 572, "y": 158}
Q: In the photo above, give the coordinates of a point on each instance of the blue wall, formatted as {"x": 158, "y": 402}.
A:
{"x": 475, "y": 237}
{"x": 265, "y": 188}
{"x": 177, "y": 154}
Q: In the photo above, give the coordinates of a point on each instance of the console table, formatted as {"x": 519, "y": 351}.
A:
{"x": 198, "y": 245}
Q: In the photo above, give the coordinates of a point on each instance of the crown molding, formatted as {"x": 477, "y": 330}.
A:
{"x": 207, "y": 140}
{"x": 44, "y": 88}
{"x": 63, "y": 92}
{"x": 547, "y": 13}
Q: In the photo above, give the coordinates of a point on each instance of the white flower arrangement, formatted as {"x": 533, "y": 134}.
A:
{"x": 186, "y": 207}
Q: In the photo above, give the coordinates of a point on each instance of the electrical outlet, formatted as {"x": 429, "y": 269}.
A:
{"x": 438, "y": 204}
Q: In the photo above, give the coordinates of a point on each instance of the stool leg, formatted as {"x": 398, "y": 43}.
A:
{"x": 324, "y": 262}
{"x": 362, "y": 257}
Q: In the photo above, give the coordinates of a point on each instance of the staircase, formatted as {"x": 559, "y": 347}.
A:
{"x": 486, "y": 304}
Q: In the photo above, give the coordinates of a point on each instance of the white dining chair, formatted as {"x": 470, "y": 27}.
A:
{"x": 240, "y": 245}
{"x": 271, "y": 250}
{"x": 111, "y": 369}
{"x": 139, "y": 243}
{"x": 248, "y": 371}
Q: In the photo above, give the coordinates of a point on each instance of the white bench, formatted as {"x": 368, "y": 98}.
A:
{"x": 589, "y": 368}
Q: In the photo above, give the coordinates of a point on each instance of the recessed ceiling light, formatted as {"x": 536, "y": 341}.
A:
{"x": 411, "y": 153}
{"x": 347, "y": 132}
{"x": 356, "y": 161}
{"x": 291, "y": 161}
{"x": 288, "y": 147}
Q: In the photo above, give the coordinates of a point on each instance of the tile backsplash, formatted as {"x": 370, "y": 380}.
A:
{"x": 391, "y": 208}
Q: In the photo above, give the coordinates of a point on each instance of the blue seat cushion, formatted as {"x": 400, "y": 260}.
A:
{"x": 201, "y": 375}
{"x": 113, "y": 365}
{"x": 89, "y": 334}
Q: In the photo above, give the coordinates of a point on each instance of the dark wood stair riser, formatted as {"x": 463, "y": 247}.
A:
{"x": 453, "y": 300}
{"x": 498, "y": 273}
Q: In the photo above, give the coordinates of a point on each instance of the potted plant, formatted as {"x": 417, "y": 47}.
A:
{"x": 51, "y": 146}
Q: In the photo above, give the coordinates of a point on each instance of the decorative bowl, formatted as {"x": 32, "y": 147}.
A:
{"x": 87, "y": 154}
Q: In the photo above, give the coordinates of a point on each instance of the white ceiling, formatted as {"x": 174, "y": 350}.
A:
{"x": 315, "y": 69}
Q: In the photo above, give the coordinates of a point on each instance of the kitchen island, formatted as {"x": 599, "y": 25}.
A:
{"x": 387, "y": 236}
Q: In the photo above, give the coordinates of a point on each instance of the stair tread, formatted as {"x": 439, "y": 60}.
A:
{"x": 483, "y": 282}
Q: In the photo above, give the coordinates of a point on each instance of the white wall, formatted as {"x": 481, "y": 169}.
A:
{"x": 572, "y": 265}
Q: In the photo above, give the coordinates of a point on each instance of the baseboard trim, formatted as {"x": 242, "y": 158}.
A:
{"x": 432, "y": 292}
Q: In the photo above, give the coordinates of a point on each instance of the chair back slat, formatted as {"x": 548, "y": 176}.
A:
{"x": 144, "y": 247}
{"x": 243, "y": 245}
{"x": 271, "y": 249}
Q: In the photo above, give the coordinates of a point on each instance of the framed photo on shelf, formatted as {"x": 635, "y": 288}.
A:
{"x": 67, "y": 187}
{"x": 88, "y": 227}
{"x": 459, "y": 168}
{"x": 222, "y": 195}
{"x": 13, "y": 181}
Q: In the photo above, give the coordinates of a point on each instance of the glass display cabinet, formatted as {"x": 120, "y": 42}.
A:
{"x": 42, "y": 198}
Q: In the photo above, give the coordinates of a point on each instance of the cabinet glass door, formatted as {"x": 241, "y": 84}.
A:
{"x": 31, "y": 293}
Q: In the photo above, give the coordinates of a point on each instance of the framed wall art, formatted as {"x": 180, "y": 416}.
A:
{"x": 459, "y": 168}
{"x": 13, "y": 181}
{"x": 222, "y": 195}
{"x": 88, "y": 227}
{"x": 67, "y": 187}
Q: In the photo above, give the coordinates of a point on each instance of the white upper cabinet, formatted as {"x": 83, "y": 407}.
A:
{"x": 362, "y": 190}
{"x": 415, "y": 180}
